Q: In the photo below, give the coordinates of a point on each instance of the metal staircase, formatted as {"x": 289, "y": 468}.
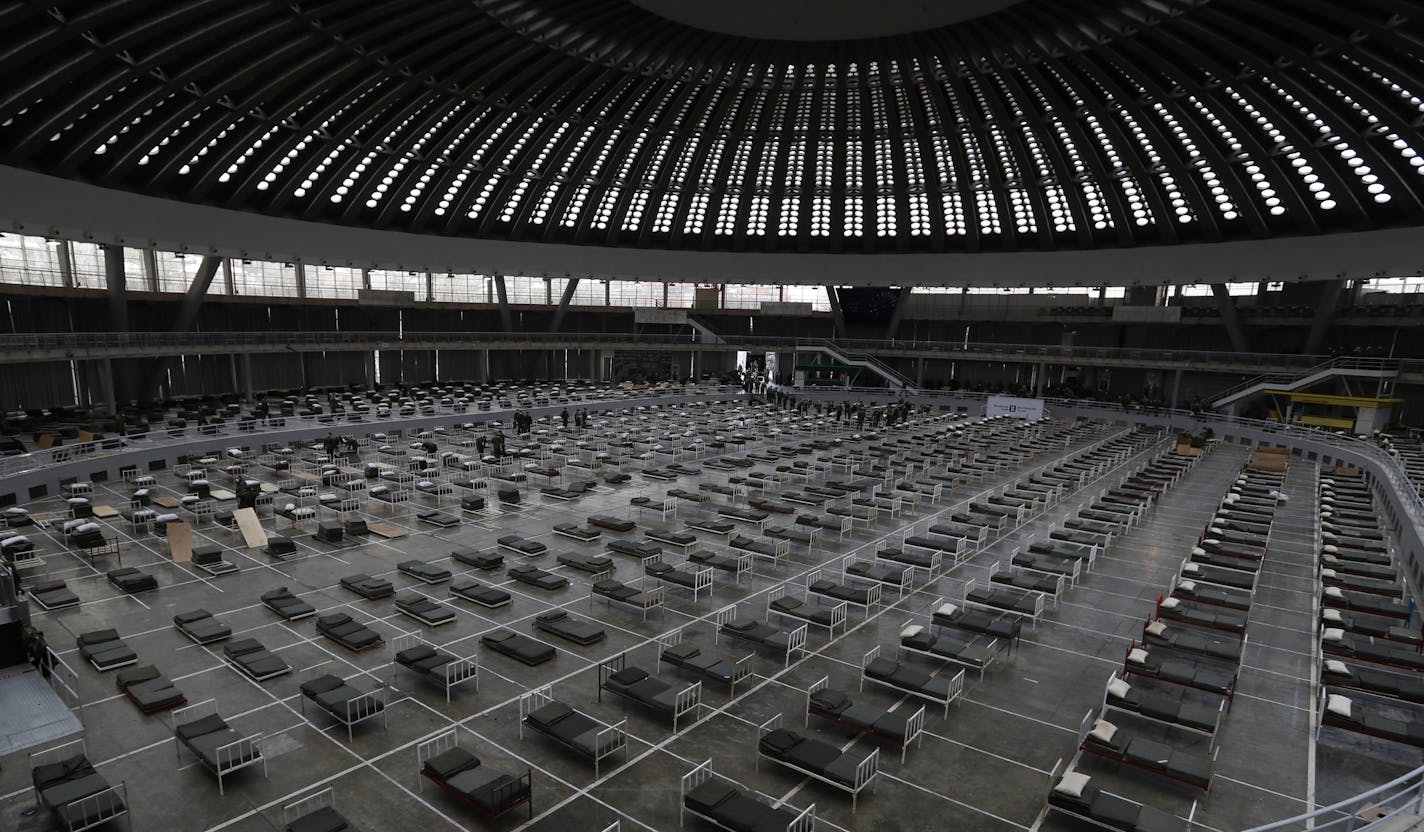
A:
{"x": 892, "y": 377}
{"x": 1379, "y": 369}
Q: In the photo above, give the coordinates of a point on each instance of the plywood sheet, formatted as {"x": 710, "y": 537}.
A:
{"x": 252, "y": 532}
{"x": 180, "y": 542}
{"x": 385, "y": 530}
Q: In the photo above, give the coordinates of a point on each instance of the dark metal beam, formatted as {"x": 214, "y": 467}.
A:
{"x": 1229, "y": 318}
{"x": 564, "y": 301}
{"x": 116, "y": 288}
{"x": 1325, "y": 306}
{"x": 505, "y": 318}
{"x": 836, "y": 312}
{"x": 900, "y": 304}
{"x": 185, "y": 318}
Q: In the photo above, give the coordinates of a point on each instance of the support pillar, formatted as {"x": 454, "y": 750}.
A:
{"x": 228, "y": 280}
{"x": 429, "y": 286}
{"x": 106, "y": 385}
{"x": 247, "y": 378}
{"x": 1040, "y": 377}
{"x": 1325, "y": 307}
{"x": 900, "y": 304}
{"x": 116, "y": 288}
{"x": 1176, "y": 388}
{"x": 365, "y": 278}
{"x": 920, "y": 372}
{"x": 301, "y": 271}
{"x": 66, "y": 263}
{"x": 186, "y": 316}
{"x": 150, "y": 270}
{"x": 564, "y": 300}
{"x": 836, "y": 313}
{"x": 504, "y": 317}
{"x": 1229, "y": 319}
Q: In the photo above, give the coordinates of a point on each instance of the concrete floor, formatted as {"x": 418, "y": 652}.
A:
{"x": 984, "y": 767}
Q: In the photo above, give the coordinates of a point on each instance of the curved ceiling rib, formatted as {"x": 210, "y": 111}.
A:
{"x": 1048, "y": 125}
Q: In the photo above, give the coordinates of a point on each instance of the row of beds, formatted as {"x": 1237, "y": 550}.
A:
{"x": 1372, "y": 667}
{"x": 208, "y": 736}
{"x": 718, "y": 799}
{"x": 1181, "y": 674}
{"x": 955, "y": 634}
{"x": 80, "y": 798}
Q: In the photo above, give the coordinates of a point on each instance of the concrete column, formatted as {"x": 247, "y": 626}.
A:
{"x": 150, "y": 269}
{"x": 920, "y": 372}
{"x": 593, "y": 365}
{"x": 570, "y": 286}
{"x": 247, "y": 378}
{"x": 106, "y": 385}
{"x": 429, "y": 286}
{"x": 836, "y": 313}
{"x": 228, "y": 280}
{"x": 365, "y": 278}
{"x": 1229, "y": 319}
{"x": 504, "y": 317}
{"x": 1325, "y": 305}
{"x": 1176, "y": 387}
{"x": 301, "y": 271}
{"x": 899, "y": 313}
{"x": 1040, "y": 377}
{"x": 66, "y": 263}
{"x": 117, "y": 288}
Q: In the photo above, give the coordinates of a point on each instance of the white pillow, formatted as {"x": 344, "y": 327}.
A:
{"x": 1216, "y": 530}
{"x": 911, "y": 631}
{"x": 1156, "y": 628}
{"x": 1137, "y": 656}
{"x": 1327, "y": 573}
{"x": 1072, "y": 784}
{"x": 1336, "y": 666}
{"x": 1325, "y": 512}
{"x": 1334, "y": 634}
{"x": 1330, "y": 535}
{"x": 1103, "y": 731}
{"x": 1330, "y": 547}
{"x": 1339, "y": 705}
{"x": 1328, "y": 498}
{"x": 946, "y": 610}
{"x": 1197, "y": 550}
{"x": 1191, "y": 567}
{"x": 1334, "y": 592}
{"x": 1187, "y": 586}
{"x": 1117, "y": 688}
{"x": 1329, "y": 559}
{"x": 1170, "y": 603}
{"x": 1212, "y": 541}
{"x": 1333, "y": 616}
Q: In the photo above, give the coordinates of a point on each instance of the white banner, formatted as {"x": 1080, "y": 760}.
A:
{"x": 1015, "y": 407}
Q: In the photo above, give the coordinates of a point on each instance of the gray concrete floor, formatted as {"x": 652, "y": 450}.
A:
{"x": 985, "y": 766}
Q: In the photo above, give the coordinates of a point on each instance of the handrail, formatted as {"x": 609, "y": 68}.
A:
{"x": 165, "y": 436}
{"x": 395, "y": 340}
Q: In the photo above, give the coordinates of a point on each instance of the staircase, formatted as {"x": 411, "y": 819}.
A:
{"x": 893, "y": 378}
{"x": 704, "y": 332}
{"x": 1367, "y": 368}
